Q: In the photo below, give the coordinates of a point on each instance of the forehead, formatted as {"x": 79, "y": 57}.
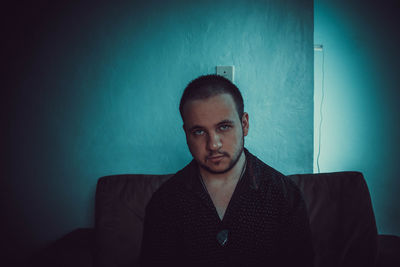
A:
{"x": 210, "y": 110}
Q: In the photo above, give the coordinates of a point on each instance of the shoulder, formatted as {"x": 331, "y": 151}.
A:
{"x": 172, "y": 189}
{"x": 271, "y": 180}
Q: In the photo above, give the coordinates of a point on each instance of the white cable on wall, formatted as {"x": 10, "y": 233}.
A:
{"x": 320, "y": 48}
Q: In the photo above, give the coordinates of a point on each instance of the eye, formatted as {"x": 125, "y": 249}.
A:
{"x": 198, "y": 132}
{"x": 224, "y": 127}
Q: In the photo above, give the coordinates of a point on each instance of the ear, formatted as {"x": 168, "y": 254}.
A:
{"x": 245, "y": 123}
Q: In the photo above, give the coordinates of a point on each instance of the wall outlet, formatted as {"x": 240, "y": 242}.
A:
{"x": 227, "y": 71}
{"x": 318, "y": 47}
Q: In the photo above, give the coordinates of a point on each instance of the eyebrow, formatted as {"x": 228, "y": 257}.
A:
{"x": 225, "y": 122}
{"x": 219, "y": 123}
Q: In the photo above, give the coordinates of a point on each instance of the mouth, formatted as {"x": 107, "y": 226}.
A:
{"x": 215, "y": 158}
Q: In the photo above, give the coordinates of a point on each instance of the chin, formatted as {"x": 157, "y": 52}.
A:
{"x": 217, "y": 170}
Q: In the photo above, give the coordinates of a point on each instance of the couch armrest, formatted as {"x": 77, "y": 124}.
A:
{"x": 388, "y": 251}
{"x": 73, "y": 249}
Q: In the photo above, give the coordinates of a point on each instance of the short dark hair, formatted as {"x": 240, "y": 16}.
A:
{"x": 210, "y": 85}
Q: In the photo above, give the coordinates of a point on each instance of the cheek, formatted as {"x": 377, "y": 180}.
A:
{"x": 234, "y": 137}
{"x": 194, "y": 144}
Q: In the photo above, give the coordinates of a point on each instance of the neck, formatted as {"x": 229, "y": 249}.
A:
{"x": 231, "y": 175}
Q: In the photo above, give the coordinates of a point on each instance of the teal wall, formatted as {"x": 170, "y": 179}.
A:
{"x": 361, "y": 114}
{"x": 95, "y": 91}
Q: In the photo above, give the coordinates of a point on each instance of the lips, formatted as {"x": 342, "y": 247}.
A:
{"x": 215, "y": 158}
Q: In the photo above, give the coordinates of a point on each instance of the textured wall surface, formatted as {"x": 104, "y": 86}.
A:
{"x": 361, "y": 126}
{"x": 95, "y": 91}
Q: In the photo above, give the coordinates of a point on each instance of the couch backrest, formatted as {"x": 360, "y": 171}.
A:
{"x": 119, "y": 214}
{"x": 341, "y": 217}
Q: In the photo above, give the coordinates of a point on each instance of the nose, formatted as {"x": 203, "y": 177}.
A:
{"x": 214, "y": 141}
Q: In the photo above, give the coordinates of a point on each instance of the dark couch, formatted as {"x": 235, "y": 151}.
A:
{"x": 339, "y": 205}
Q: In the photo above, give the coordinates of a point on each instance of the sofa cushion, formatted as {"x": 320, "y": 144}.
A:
{"x": 341, "y": 218}
{"x": 119, "y": 213}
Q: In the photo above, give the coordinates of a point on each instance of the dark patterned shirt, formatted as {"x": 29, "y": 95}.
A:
{"x": 266, "y": 222}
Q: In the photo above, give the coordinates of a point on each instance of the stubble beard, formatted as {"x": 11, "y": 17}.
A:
{"x": 232, "y": 163}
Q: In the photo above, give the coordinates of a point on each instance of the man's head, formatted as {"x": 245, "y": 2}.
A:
{"x": 210, "y": 85}
{"x": 214, "y": 122}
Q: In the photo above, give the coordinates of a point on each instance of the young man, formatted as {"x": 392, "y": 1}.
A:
{"x": 226, "y": 207}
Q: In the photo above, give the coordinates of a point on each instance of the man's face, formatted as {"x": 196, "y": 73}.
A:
{"x": 214, "y": 132}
